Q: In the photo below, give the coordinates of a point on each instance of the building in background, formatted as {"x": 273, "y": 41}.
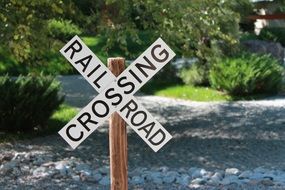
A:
{"x": 270, "y": 13}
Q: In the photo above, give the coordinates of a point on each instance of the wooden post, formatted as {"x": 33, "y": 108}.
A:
{"x": 118, "y": 138}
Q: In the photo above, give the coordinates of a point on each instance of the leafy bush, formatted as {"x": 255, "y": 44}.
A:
{"x": 247, "y": 74}
{"x": 275, "y": 34}
{"x": 26, "y": 103}
{"x": 62, "y": 29}
{"x": 244, "y": 36}
{"x": 195, "y": 75}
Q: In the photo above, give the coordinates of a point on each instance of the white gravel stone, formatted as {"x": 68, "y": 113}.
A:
{"x": 82, "y": 167}
{"x": 170, "y": 177}
{"x": 136, "y": 180}
{"x": 266, "y": 182}
{"x": 157, "y": 180}
{"x": 40, "y": 172}
{"x": 260, "y": 170}
{"x": 97, "y": 177}
{"x": 156, "y": 177}
{"x": 104, "y": 170}
{"x": 76, "y": 177}
{"x": 62, "y": 168}
{"x": 183, "y": 180}
{"x": 192, "y": 170}
{"x": 105, "y": 180}
{"x": 216, "y": 178}
{"x": 256, "y": 176}
{"x": 8, "y": 166}
{"x": 198, "y": 173}
{"x": 232, "y": 171}
{"x": 199, "y": 181}
{"x": 230, "y": 179}
{"x": 245, "y": 174}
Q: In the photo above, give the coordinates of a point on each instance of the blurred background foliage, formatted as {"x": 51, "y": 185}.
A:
{"x": 31, "y": 28}
{"x": 32, "y": 32}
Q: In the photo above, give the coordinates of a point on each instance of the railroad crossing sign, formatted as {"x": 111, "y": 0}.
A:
{"x": 116, "y": 93}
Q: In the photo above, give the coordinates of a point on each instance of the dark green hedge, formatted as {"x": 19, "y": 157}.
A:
{"x": 247, "y": 74}
{"x": 26, "y": 103}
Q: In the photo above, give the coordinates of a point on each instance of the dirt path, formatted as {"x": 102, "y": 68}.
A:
{"x": 243, "y": 134}
{"x": 214, "y": 135}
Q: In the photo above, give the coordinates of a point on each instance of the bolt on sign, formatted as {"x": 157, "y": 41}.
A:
{"x": 116, "y": 93}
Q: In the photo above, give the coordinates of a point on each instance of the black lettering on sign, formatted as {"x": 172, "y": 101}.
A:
{"x": 95, "y": 69}
{"x": 87, "y": 120}
{"x": 125, "y": 84}
{"x": 146, "y": 130}
{"x": 130, "y": 109}
{"x": 81, "y": 61}
{"x": 72, "y": 47}
{"x": 159, "y": 131}
{"x": 71, "y": 137}
{"x": 96, "y": 80}
{"x": 162, "y": 52}
{"x": 138, "y": 113}
{"x": 141, "y": 66}
{"x": 110, "y": 96}
{"x": 135, "y": 76}
{"x": 102, "y": 103}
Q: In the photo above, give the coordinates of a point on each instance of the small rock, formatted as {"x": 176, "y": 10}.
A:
{"x": 157, "y": 180}
{"x": 170, "y": 177}
{"x": 245, "y": 174}
{"x": 199, "y": 181}
{"x": 230, "y": 179}
{"x": 260, "y": 170}
{"x": 156, "y": 177}
{"x": 163, "y": 169}
{"x": 97, "y": 177}
{"x": 76, "y": 178}
{"x": 8, "y": 167}
{"x": 256, "y": 176}
{"x": 105, "y": 181}
{"x": 136, "y": 172}
{"x": 183, "y": 180}
{"x": 232, "y": 171}
{"x": 104, "y": 170}
{"x": 6, "y": 157}
{"x": 267, "y": 182}
{"x": 82, "y": 167}
{"x": 216, "y": 178}
{"x": 62, "y": 168}
{"x": 40, "y": 172}
{"x": 198, "y": 173}
{"x": 136, "y": 180}
{"x": 85, "y": 175}
{"x": 192, "y": 170}
{"x": 39, "y": 160}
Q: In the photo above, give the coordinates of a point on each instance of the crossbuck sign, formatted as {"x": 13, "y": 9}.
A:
{"x": 116, "y": 93}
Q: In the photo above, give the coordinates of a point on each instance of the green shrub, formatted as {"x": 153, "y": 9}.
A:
{"x": 244, "y": 36}
{"x": 26, "y": 103}
{"x": 195, "y": 75}
{"x": 62, "y": 29}
{"x": 276, "y": 34}
{"x": 247, "y": 74}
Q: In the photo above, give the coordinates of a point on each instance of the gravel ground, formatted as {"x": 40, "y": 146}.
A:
{"x": 213, "y": 135}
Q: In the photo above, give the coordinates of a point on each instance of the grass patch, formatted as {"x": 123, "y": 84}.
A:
{"x": 62, "y": 116}
{"x": 195, "y": 93}
{"x": 55, "y": 123}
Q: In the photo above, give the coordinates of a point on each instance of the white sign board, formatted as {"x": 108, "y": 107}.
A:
{"x": 116, "y": 93}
